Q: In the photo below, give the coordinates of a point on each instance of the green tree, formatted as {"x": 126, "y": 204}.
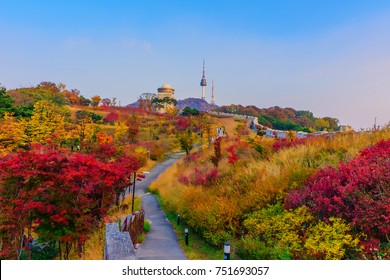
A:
{"x": 186, "y": 140}
{"x": 6, "y": 102}
{"x": 188, "y": 111}
{"x": 163, "y": 102}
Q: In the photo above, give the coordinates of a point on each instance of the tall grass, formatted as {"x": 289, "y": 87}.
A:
{"x": 253, "y": 182}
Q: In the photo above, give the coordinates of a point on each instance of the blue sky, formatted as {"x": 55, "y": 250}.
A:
{"x": 329, "y": 57}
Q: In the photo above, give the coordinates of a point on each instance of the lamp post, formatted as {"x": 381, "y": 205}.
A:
{"x": 186, "y": 234}
{"x": 226, "y": 251}
{"x": 178, "y": 219}
{"x": 134, "y": 179}
{"x": 132, "y": 202}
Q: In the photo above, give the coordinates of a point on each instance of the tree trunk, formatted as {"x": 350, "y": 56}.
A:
{"x": 68, "y": 246}
{"x": 123, "y": 196}
{"x": 59, "y": 249}
{"x": 21, "y": 244}
{"x": 80, "y": 249}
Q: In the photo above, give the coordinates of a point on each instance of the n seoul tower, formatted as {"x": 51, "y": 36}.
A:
{"x": 203, "y": 83}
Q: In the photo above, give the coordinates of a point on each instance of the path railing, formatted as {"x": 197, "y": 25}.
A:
{"x": 120, "y": 245}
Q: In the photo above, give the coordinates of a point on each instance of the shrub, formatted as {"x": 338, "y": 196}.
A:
{"x": 281, "y": 230}
{"x": 217, "y": 238}
{"x": 157, "y": 151}
{"x": 282, "y": 143}
{"x": 203, "y": 177}
{"x": 259, "y": 148}
{"x": 183, "y": 179}
{"x": 111, "y": 118}
{"x": 242, "y": 129}
{"x": 215, "y": 159}
{"x": 191, "y": 158}
{"x": 358, "y": 192}
{"x": 147, "y": 226}
{"x": 252, "y": 248}
{"x": 232, "y": 155}
{"x": 331, "y": 241}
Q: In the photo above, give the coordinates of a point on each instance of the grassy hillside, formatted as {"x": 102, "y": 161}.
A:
{"x": 67, "y": 160}
{"x": 251, "y": 182}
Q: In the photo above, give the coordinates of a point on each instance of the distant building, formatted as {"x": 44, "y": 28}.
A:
{"x": 165, "y": 91}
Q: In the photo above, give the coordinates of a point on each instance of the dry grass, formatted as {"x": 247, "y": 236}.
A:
{"x": 253, "y": 182}
{"x": 148, "y": 166}
{"x": 229, "y": 123}
{"x": 73, "y": 109}
{"x": 166, "y": 186}
{"x": 245, "y": 186}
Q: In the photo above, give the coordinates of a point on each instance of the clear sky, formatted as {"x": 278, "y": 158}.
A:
{"x": 331, "y": 57}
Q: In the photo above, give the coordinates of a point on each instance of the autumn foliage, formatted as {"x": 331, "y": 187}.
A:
{"x": 111, "y": 117}
{"x": 287, "y": 143}
{"x": 63, "y": 167}
{"x": 60, "y": 195}
{"x": 318, "y": 198}
{"x": 358, "y": 192}
{"x": 66, "y": 159}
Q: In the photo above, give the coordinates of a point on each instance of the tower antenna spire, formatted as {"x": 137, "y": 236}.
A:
{"x": 212, "y": 93}
{"x": 203, "y": 76}
{"x": 203, "y": 83}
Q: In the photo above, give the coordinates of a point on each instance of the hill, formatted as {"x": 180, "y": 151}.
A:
{"x": 196, "y": 103}
{"x": 284, "y": 118}
{"x": 315, "y": 198}
{"x": 82, "y": 158}
{"x": 273, "y": 117}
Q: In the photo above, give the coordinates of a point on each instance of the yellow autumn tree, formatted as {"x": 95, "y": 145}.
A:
{"x": 172, "y": 111}
{"x": 11, "y": 133}
{"x": 83, "y": 123}
{"x": 120, "y": 134}
{"x": 208, "y": 129}
{"x": 321, "y": 124}
{"x": 48, "y": 119}
{"x": 95, "y": 100}
{"x": 90, "y": 136}
{"x": 291, "y": 135}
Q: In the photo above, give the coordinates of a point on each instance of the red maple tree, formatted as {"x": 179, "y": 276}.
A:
{"x": 60, "y": 195}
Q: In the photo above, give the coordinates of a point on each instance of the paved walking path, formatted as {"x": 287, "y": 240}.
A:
{"x": 161, "y": 242}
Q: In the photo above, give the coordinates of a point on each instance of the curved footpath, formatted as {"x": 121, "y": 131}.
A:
{"x": 161, "y": 242}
